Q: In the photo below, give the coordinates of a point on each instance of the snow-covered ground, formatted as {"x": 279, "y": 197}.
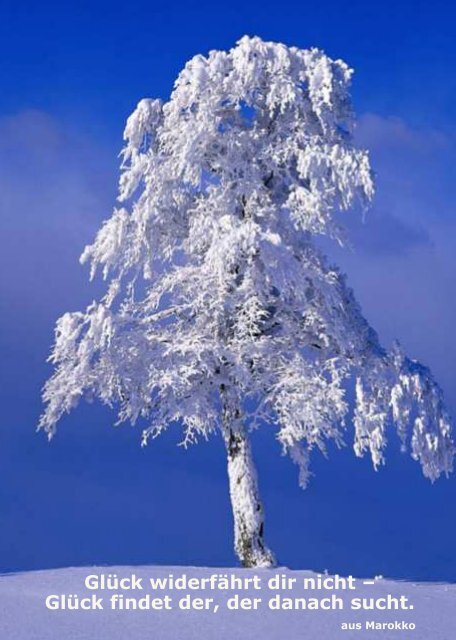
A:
{"x": 24, "y": 616}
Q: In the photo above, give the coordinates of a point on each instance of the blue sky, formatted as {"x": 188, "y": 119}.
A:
{"x": 70, "y": 75}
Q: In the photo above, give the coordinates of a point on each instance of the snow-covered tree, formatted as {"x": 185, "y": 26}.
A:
{"x": 221, "y": 313}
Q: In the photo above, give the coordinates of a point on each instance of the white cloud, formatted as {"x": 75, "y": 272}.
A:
{"x": 55, "y": 187}
{"x": 403, "y": 265}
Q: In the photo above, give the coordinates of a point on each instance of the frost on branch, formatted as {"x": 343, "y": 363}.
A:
{"x": 405, "y": 391}
{"x": 216, "y": 283}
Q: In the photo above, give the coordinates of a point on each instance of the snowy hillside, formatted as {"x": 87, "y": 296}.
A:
{"x": 24, "y": 616}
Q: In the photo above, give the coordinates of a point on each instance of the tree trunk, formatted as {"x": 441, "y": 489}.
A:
{"x": 245, "y": 500}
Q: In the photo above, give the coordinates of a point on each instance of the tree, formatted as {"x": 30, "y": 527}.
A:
{"x": 222, "y": 314}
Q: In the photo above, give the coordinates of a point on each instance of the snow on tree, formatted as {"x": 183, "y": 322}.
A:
{"x": 222, "y": 314}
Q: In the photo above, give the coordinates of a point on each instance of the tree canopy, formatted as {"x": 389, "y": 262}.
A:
{"x": 217, "y": 293}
